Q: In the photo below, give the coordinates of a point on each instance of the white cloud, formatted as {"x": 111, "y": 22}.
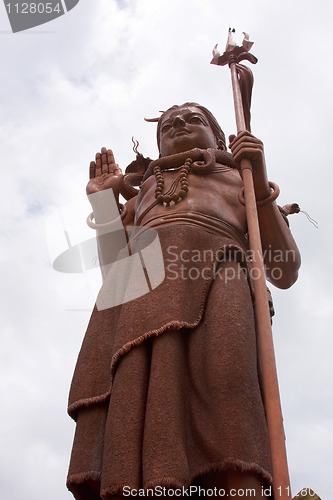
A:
{"x": 89, "y": 84}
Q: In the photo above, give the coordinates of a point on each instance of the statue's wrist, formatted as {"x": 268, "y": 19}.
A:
{"x": 274, "y": 192}
{"x": 105, "y": 206}
{"x": 107, "y": 225}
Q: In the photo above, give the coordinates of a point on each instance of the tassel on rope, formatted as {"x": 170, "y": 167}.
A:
{"x": 294, "y": 208}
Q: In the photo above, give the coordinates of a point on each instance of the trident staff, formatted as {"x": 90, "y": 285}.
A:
{"x": 269, "y": 382}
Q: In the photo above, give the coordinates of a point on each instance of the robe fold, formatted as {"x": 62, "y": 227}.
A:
{"x": 166, "y": 386}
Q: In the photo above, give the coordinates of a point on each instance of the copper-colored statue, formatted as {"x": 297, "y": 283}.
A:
{"x": 166, "y": 391}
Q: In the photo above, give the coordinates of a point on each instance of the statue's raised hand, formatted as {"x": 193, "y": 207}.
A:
{"x": 105, "y": 173}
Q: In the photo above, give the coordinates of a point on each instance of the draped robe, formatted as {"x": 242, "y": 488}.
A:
{"x": 166, "y": 386}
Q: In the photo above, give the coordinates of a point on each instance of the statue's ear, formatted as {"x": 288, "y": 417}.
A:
{"x": 221, "y": 145}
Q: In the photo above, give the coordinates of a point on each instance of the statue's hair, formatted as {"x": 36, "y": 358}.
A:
{"x": 218, "y": 132}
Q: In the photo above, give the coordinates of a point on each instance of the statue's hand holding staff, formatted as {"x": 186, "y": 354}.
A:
{"x": 246, "y": 145}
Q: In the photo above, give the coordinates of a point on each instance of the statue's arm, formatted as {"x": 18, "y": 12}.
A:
{"x": 109, "y": 217}
{"x": 281, "y": 255}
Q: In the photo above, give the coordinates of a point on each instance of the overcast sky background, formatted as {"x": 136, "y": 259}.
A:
{"x": 86, "y": 80}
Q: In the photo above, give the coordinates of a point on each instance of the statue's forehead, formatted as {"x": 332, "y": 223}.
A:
{"x": 181, "y": 111}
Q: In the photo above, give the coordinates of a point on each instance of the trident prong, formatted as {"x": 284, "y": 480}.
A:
{"x": 233, "y": 51}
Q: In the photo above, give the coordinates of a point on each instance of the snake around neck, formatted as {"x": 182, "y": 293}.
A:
{"x": 203, "y": 161}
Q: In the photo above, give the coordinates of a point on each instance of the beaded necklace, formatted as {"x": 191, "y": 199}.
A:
{"x": 171, "y": 195}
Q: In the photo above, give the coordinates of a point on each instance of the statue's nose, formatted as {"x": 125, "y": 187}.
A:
{"x": 178, "y": 122}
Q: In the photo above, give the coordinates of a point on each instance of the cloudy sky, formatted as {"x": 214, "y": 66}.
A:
{"x": 86, "y": 80}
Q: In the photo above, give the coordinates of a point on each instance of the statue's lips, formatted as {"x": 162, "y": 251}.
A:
{"x": 180, "y": 133}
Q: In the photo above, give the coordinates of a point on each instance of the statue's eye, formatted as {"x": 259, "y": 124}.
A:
{"x": 166, "y": 127}
{"x": 195, "y": 119}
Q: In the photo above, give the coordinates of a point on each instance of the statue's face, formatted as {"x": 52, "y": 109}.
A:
{"x": 184, "y": 129}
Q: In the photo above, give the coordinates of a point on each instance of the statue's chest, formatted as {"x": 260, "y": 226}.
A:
{"x": 214, "y": 194}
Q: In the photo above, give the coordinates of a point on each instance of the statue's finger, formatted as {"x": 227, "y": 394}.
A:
{"x": 244, "y": 137}
{"x": 111, "y": 160}
{"x": 105, "y": 169}
{"x": 117, "y": 171}
{"x": 92, "y": 170}
{"x": 246, "y": 147}
{"x": 98, "y": 171}
{"x": 232, "y": 137}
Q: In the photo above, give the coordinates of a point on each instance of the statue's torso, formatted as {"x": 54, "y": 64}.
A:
{"x": 214, "y": 195}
